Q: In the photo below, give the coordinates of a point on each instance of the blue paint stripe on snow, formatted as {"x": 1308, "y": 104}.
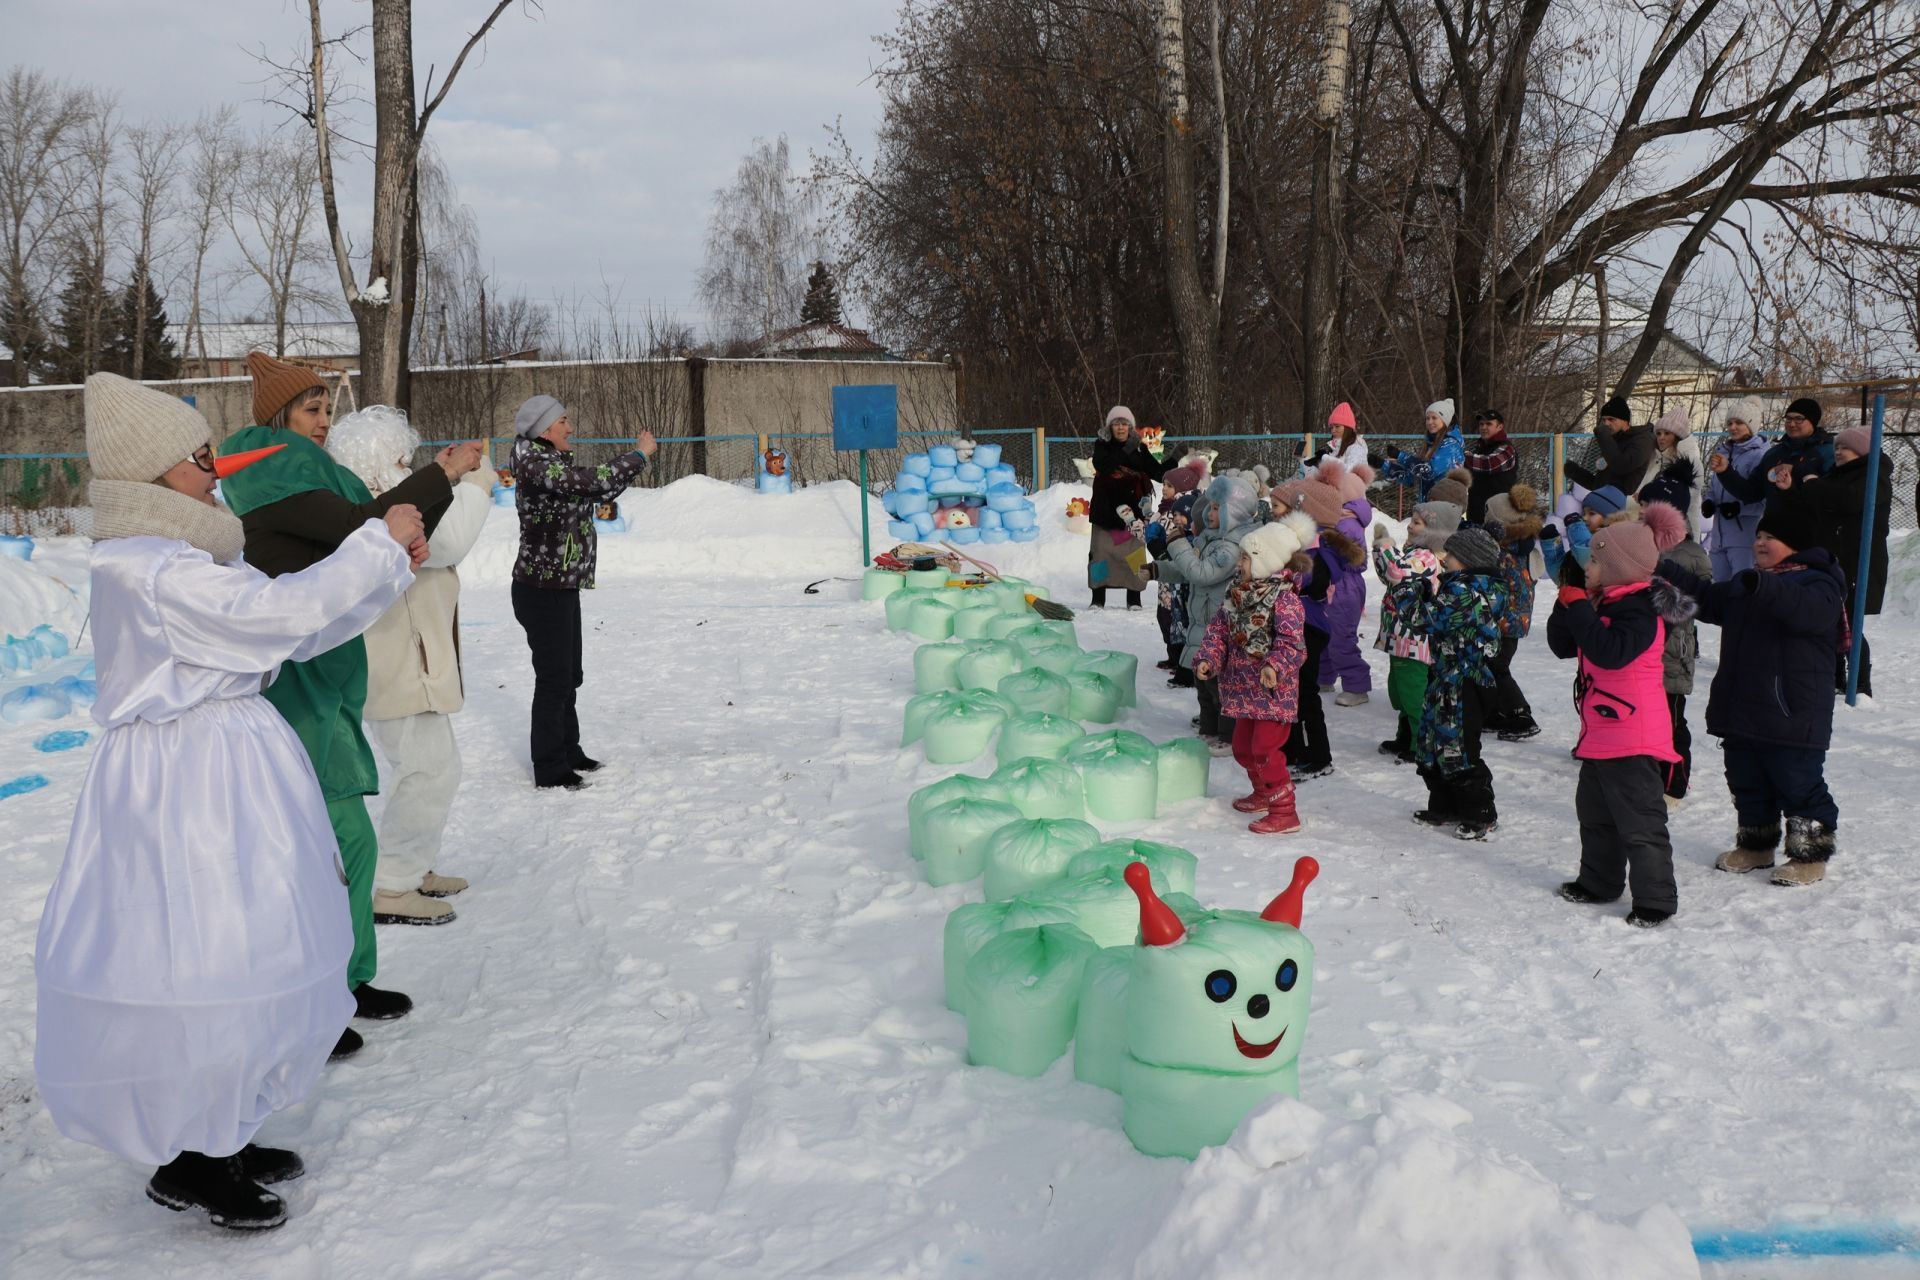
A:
{"x": 1845, "y": 1240}
{"x": 21, "y": 785}
{"x": 62, "y": 740}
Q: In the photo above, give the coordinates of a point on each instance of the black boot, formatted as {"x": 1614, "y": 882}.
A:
{"x": 568, "y": 781}
{"x": 268, "y": 1165}
{"x": 349, "y": 1044}
{"x": 221, "y": 1187}
{"x": 1648, "y": 917}
{"x": 372, "y": 1003}
{"x": 1574, "y": 891}
{"x": 584, "y": 763}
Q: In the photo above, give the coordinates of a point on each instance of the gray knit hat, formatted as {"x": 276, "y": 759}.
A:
{"x": 536, "y": 415}
{"x": 135, "y": 435}
{"x": 1441, "y": 519}
{"x": 1474, "y": 548}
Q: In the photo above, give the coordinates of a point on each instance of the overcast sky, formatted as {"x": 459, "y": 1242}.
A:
{"x": 588, "y": 138}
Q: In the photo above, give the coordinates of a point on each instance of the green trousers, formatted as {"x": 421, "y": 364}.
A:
{"x": 359, "y": 852}
{"x": 1407, "y": 690}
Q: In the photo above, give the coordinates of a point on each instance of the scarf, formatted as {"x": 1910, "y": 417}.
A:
{"x": 1249, "y": 610}
{"x": 135, "y": 509}
{"x": 301, "y": 467}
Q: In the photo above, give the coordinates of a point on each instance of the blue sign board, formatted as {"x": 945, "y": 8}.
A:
{"x": 866, "y": 417}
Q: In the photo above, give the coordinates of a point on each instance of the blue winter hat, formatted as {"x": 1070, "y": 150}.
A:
{"x": 1236, "y": 499}
{"x": 1606, "y": 500}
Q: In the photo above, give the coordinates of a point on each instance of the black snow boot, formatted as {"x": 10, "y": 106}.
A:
{"x": 269, "y": 1165}
{"x": 347, "y": 1045}
{"x": 379, "y": 1006}
{"x": 584, "y": 763}
{"x": 219, "y": 1185}
{"x": 1648, "y": 917}
{"x": 1574, "y": 891}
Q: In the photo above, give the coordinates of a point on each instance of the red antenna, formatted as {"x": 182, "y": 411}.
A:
{"x": 1285, "y": 909}
{"x": 1159, "y": 927}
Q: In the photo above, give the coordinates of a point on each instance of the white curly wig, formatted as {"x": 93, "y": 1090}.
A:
{"x": 375, "y": 443}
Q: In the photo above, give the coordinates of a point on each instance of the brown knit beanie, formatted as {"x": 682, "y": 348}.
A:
{"x": 276, "y": 384}
{"x": 1622, "y": 555}
{"x": 1452, "y": 487}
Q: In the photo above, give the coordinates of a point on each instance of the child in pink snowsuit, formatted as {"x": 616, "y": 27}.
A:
{"x": 1611, "y": 618}
{"x": 1255, "y": 646}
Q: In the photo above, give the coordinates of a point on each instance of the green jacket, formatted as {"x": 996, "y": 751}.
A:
{"x": 297, "y": 506}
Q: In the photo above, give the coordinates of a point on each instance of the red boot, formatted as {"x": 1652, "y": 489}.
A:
{"x": 1259, "y": 801}
{"x": 1281, "y": 819}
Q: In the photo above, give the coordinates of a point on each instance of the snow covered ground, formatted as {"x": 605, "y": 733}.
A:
{"x": 690, "y": 1022}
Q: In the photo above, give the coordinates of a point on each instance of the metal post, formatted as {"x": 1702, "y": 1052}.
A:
{"x": 1867, "y": 514}
{"x": 1559, "y": 465}
{"x": 1041, "y": 480}
{"x": 866, "y": 538}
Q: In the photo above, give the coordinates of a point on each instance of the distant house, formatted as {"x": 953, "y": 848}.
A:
{"x": 819, "y": 341}
{"x": 1569, "y": 342}
{"x": 6, "y": 365}
{"x": 331, "y": 344}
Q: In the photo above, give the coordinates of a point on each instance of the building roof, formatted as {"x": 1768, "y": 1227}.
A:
{"x": 819, "y": 336}
{"x": 306, "y": 339}
{"x": 1578, "y": 352}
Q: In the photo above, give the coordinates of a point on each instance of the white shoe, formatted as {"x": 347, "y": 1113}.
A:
{"x": 1351, "y": 700}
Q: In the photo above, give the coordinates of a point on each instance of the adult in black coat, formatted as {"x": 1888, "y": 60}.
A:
{"x": 1124, "y": 472}
{"x": 1839, "y": 502}
{"x": 1772, "y": 698}
{"x": 1804, "y": 453}
{"x": 1625, "y": 451}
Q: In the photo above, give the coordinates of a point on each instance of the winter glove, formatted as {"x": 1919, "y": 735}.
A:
{"x": 1573, "y": 573}
{"x": 1707, "y": 507}
{"x": 1570, "y": 593}
{"x": 1731, "y": 510}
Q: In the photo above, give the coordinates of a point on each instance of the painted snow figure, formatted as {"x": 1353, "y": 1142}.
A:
{"x": 192, "y": 957}
{"x": 414, "y": 680}
{"x": 1213, "y": 1012}
{"x": 771, "y": 474}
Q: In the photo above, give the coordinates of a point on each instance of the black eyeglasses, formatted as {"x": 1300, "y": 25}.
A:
{"x": 203, "y": 458}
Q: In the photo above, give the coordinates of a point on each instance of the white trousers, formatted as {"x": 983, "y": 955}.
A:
{"x": 426, "y": 774}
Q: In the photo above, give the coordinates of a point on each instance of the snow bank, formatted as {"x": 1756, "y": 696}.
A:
{"x": 29, "y": 596}
{"x": 1903, "y": 575}
{"x": 1401, "y": 1193}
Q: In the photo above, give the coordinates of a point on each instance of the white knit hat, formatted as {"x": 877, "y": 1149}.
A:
{"x": 1444, "y": 408}
{"x": 1745, "y": 408}
{"x": 135, "y": 435}
{"x": 1119, "y": 413}
{"x": 1675, "y": 422}
{"x": 1269, "y": 547}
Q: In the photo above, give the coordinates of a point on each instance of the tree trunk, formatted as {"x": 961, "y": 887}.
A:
{"x": 1194, "y": 318}
{"x": 1322, "y": 279}
{"x": 381, "y": 317}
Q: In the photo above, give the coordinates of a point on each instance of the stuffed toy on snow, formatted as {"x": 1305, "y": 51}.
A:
{"x": 1079, "y": 515}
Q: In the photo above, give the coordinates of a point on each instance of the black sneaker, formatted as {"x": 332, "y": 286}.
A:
{"x": 347, "y": 1045}
{"x": 270, "y": 1165}
{"x": 1518, "y": 732}
{"x": 1393, "y": 747}
{"x": 1308, "y": 772}
{"x": 1166, "y": 664}
{"x": 372, "y": 1003}
{"x": 585, "y": 764}
{"x": 566, "y": 781}
{"x": 1648, "y": 917}
{"x": 1435, "y": 818}
{"x": 1182, "y": 680}
{"x": 1475, "y": 830}
{"x": 221, "y": 1187}
{"x": 1574, "y": 891}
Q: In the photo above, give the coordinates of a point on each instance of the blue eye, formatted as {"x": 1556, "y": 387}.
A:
{"x": 1289, "y": 974}
{"x": 1220, "y": 986}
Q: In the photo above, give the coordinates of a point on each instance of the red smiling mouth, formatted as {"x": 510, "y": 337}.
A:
{"x": 1257, "y": 1050}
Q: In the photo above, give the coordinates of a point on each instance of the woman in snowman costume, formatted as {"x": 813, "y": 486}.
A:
{"x": 193, "y": 950}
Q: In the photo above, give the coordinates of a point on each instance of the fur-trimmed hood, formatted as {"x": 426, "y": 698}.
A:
{"x": 1671, "y": 603}
{"x": 1346, "y": 548}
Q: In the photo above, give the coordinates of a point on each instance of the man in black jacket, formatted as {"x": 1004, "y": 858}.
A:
{"x": 1625, "y": 450}
{"x": 1839, "y": 501}
{"x": 1804, "y": 453}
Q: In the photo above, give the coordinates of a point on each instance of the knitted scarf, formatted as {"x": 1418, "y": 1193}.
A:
{"x": 1249, "y": 610}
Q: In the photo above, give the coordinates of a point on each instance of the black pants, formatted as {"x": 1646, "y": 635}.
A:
{"x": 1508, "y": 706}
{"x": 1678, "y": 775}
{"x": 1213, "y": 723}
{"x": 1100, "y": 598}
{"x": 1623, "y": 832}
{"x": 1866, "y": 670}
{"x": 551, "y": 619}
{"x": 1770, "y": 782}
{"x": 1308, "y": 746}
{"x": 1466, "y": 793}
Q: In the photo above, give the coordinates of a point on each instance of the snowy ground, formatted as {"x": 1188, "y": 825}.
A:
{"x": 690, "y": 1022}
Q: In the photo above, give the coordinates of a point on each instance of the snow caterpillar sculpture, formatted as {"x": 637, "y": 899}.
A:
{"x": 1194, "y": 1024}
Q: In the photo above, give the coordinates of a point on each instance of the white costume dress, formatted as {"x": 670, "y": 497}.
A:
{"x": 193, "y": 952}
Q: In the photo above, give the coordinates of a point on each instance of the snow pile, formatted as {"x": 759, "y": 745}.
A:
{"x": 1903, "y": 576}
{"x": 1401, "y": 1193}
{"x": 30, "y": 597}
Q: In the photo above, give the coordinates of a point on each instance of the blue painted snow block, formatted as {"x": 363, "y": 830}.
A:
{"x": 23, "y": 784}
{"x": 943, "y": 455}
{"x": 79, "y": 692}
{"x": 989, "y": 519}
{"x": 922, "y": 524}
{"x": 963, "y": 537}
{"x": 909, "y": 505}
{"x": 916, "y": 464}
{"x": 939, "y": 473}
{"x": 950, "y": 487}
{"x": 972, "y": 472}
{"x": 1809, "y": 1240}
{"x": 986, "y": 455}
{"x": 907, "y": 482}
{"x": 16, "y": 548}
{"x": 902, "y": 529}
{"x": 61, "y": 740}
{"x": 1002, "y": 474}
{"x": 1017, "y": 520}
{"x": 34, "y": 702}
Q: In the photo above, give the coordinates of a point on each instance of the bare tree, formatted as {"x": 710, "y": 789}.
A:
{"x": 1196, "y": 313}
{"x": 40, "y": 125}
{"x": 147, "y": 182}
{"x": 210, "y": 176}
{"x": 1320, "y": 281}
{"x": 270, "y": 211}
{"x": 761, "y": 237}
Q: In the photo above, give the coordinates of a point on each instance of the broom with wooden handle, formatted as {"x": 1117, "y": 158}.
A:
{"x": 1047, "y": 609}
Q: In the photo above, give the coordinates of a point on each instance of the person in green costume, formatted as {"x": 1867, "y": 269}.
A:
{"x": 295, "y": 507}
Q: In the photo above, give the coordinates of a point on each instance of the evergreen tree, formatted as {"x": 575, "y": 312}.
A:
{"x": 161, "y": 359}
{"x": 18, "y": 315}
{"x": 822, "y": 304}
{"x": 74, "y": 352}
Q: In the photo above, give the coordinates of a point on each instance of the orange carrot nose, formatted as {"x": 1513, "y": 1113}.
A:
{"x": 228, "y": 464}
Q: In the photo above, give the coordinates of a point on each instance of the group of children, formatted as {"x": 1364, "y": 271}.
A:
{"x": 1264, "y": 593}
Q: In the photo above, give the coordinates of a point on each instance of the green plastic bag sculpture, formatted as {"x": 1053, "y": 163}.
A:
{"x": 878, "y": 584}
{"x": 971, "y": 622}
{"x": 1052, "y": 656}
{"x": 1042, "y": 788}
{"x": 1037, "y": 691}
{"x": 936, "y": 666}
{"x": 956, "y": 835}
{"x": 1122, "y": 772}
{"x": 959, "y": 731}
{"x": 1031, "y": 855}
{"x": 987, "y": 663}
{"x": 899, "y": 604}
{"x": 1100, "y": 1035}
{"x": 1099, "y": 903}
{"x": 1172, "y": 867}
{"x": 1093, "y": 698}
{"x": 1215, "y": 1012}
{"x": 913, "y": 721}
{"x": 1121, "y": 668}
{"x": 1184, "y": 766}
{"x": 1046, "y": 736}
{"x": 1046, "y": 631}
{"x": 961, "y": 786}
{"x": 974, "y": 925}
{"x": 928, "y": 579}
{"x": 1022, "y": 997}
{"x": 931, "y": 617}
